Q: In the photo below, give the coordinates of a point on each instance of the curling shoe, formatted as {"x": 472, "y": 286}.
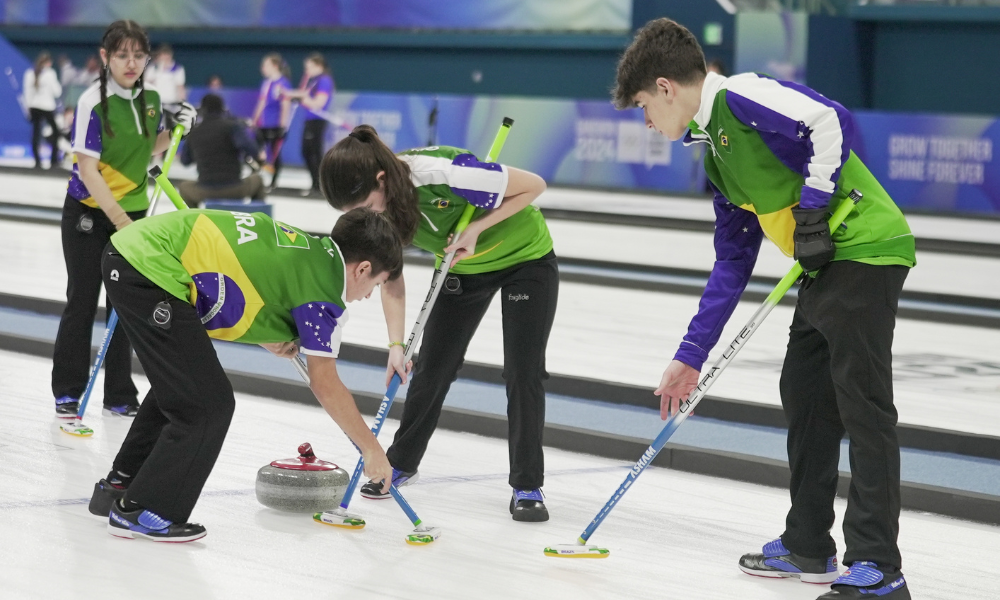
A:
{"x": 67, "y": 407}
{"x": 529, "y": 506}
{"x": 106, "y": 492}
{"x": 142, "y": 523}
{"x": 125, "y": 410}
{"x": 864, "y": 580}
{"x": 373, "y": 489}
{"x": 776, "y": 561}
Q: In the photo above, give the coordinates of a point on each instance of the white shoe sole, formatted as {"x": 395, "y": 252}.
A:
{"x": 821, "y": 578}
{"x": 416, "y": 476}
{"x": 128, "y": 534}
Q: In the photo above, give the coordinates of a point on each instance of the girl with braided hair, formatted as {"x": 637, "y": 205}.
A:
{"x": 117, "y": 128}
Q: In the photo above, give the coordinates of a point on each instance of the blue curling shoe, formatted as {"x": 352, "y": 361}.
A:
{"x": 529, "y": 506}
{"x": 145, "y": 524}
{"x": 776, "y": 561}
{"x": 865, "y": 580}
{"x": 67, "y": 407}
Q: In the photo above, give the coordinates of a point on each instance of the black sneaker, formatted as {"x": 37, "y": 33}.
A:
{"x": 777, "y": 561}
{"x": 373, "y": 490}
{"x": 529, "y": 506}
{"x": 864, "y": 580}
{"x": 67, "y": 407}
{"x": 105, "y": 494}
{"x": 125, "y": 410}
{"x": 145, "y": 524}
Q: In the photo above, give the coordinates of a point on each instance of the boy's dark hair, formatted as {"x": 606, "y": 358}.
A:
{"x": 347, "y": 175}
{"x": 662, "y": 48}
{"x": 363, "y": 234}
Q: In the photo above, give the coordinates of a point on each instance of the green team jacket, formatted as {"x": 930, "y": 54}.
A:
{"x": 774, "y": 145}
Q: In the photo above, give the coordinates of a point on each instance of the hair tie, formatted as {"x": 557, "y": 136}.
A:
{"x": 355, "y": 135}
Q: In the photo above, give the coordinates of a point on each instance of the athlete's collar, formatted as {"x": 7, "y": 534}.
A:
{"x": 709, "y": 89}
{"x": 121, "y": 92}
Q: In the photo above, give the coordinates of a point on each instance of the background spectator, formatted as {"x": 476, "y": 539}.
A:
{"x": 41, "y": 95}
{"x": 217, "y": 146}
{"x": 214, "y": 83}
{"x": 316, "y": 95}
{"x": 272, "y": 114}
{"x": 167, "y": 77}
{"x": 75, "y": 81}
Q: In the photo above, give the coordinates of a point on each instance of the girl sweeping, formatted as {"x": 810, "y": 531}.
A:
{"x": 116, "y": 130}
{"x": 506, "y": 249}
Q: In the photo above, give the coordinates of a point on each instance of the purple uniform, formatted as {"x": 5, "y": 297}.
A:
{"x": 270, "y": 92}
{"x": 314, "y": 87}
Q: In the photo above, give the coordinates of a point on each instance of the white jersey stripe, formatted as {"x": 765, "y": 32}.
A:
{"x": 827, "y": 137}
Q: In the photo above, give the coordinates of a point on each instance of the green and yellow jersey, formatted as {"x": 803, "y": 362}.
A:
{"x": 251, "y": 279}
{"x": 124, "y": 157}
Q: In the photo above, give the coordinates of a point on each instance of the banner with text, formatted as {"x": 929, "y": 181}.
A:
{"x": 933, "y": 162}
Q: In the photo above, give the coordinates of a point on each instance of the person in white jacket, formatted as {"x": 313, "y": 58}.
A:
{"x": 41, "y": 94}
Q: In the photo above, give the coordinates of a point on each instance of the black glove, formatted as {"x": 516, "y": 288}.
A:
{"x": 813, "y": 246}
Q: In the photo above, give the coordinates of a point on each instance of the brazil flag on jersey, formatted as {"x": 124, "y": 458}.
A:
{"x": 447, "y": 180}
{"x": 251, "y": 279}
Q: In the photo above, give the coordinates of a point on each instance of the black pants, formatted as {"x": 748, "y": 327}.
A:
{"x": 173, "y": 443}
{"x": 38, "y": 119}
{"x": 528, "y": 292}
{"x": 85, "y": 233}
{"x": 313, "y": 136}
{"x": 837, "y": 377}
{"x": 270, "y": 138}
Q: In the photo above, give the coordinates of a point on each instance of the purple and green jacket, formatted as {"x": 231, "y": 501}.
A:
{"x": 775, "y": 145}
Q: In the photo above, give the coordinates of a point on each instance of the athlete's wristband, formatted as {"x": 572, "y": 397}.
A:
{"x": 400, "y": 344}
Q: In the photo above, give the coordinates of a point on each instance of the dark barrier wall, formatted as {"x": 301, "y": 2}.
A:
{"x": 940, "y": 59}
{"x": 839, "y": 60}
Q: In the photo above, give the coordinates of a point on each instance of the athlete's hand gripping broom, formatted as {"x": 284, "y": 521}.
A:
{"x": 581, "y": 549}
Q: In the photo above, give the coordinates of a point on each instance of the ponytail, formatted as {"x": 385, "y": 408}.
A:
{"x": 349, "y": 173}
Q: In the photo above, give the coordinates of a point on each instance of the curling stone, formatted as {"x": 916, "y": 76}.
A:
{"x": 304, "y": 484}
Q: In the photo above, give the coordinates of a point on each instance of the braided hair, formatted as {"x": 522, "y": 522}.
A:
{"x": 117, "y": 36}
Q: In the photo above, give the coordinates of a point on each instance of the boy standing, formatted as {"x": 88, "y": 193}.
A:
{"x": 780, "y": 162}
{"x": 178, "y": 280}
